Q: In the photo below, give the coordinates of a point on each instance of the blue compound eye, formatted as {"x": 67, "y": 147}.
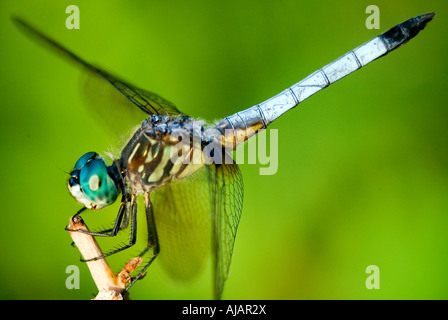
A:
{"x": 96, "y": 183}
{"x": 91, "y": 183}
{"x": 84, "y": 159}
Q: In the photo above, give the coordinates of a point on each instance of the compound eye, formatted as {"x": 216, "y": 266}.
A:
{"x": 96, "y": 184}
{"x": 91, "y": 183}
{"x": 84, "y": 159}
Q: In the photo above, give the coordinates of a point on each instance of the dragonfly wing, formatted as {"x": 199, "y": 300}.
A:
{"x": 148, "y": 102}
{"x": 226, "y": 187}
{"x": 102, "y": 98}
{"x": 183, "y": 222}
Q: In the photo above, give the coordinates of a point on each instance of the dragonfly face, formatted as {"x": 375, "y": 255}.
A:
{"x": 92, "y": 183}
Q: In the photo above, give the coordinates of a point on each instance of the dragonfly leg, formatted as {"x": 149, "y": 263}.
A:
{"x": 153, "y": 241}
{"x": 133, "y": 237}
{"x": 112, "y": 232}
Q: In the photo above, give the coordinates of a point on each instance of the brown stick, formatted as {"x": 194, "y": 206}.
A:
{"x": 109, "y": 284}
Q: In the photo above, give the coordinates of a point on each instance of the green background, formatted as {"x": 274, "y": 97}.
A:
{"x": 362, "y": 176}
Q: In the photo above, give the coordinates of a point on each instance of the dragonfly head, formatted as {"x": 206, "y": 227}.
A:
{"x": 92, "y": 183}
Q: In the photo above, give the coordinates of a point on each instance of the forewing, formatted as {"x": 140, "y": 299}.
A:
{"x": 148, "y": 102}
{"x": 183, "y": 222}
{"x": 226, "y": 187}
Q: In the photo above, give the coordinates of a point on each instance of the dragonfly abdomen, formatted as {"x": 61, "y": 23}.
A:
{"x": 246, "y": 123}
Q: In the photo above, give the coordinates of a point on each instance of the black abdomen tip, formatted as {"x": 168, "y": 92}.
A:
{"x": 405, "y": 31}
{"x": 426, "y": 16}
{"x": 423, "y": 19}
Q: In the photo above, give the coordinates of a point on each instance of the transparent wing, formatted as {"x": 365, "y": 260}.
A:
{"x": 148, "y": 102}
{"x": 183, "y": 222}
{"x": 226, "y": 187}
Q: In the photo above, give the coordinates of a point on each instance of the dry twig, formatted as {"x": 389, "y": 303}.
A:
{"x": 109, "y": 284}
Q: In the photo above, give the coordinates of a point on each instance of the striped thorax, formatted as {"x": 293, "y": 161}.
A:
{"x": 161, "y": 150}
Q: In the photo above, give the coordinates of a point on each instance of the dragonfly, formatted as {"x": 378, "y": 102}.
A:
{"x": 183, "y": 167}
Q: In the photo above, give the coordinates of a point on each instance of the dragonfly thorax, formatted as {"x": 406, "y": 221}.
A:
{"x": 163, "y": 149}
{"x": 94, "y": 184}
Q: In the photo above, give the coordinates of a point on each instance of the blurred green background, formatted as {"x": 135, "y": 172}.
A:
{"x": 362, "y": 176}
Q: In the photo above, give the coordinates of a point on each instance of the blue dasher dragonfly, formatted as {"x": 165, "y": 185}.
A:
{"x": 184, "y": 168}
